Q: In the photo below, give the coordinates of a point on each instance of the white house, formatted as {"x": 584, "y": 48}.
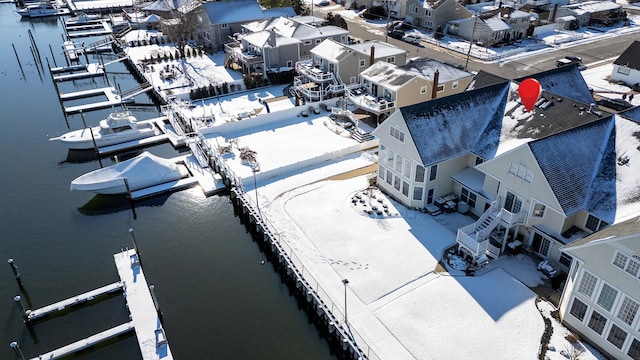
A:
{"x": 626, "y": 68}
{"x": 601, "y": 297}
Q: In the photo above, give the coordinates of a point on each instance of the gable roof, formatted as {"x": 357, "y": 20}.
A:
{"x": 233, "y": 11}
{"x": 427, "y": 67}
{"x": 630, "y": 57}
{"x": 182, "y": 6}
{"x": 566, "y": 81}
{"x": 330, "y": 50}
{"x": 483, "y": 79}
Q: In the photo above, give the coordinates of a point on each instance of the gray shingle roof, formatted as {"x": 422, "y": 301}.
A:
{"x": 630, "y": 57}
{"x": 566, "y": 81}
{"x": 233, "y": 11}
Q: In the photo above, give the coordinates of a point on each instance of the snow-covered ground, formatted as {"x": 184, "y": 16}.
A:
{"x": 597, "y": 77}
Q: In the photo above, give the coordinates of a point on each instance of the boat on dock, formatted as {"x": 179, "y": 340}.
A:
{"x": 143, "y": 171}
{"x": 42, "y": 9}
{"x": 83, "y": 19}
{"x": 118, "y": 127}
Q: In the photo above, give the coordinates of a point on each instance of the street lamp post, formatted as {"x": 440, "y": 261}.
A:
{"x": 345, "y": 282}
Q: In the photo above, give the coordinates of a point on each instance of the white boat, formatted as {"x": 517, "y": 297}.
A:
{"x": 42, "y": 9}
{"x": 82, "y": 19}
{"x": 118, "y": 127}
{"x": 142, "y": 171}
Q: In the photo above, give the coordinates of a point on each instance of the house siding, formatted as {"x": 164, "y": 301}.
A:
{"x": 625, "y": 74}
{"x": 597, "y": 260}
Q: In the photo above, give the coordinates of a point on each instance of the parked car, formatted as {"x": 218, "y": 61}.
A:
{"x": 412, "y": 38}
{"x": 568, "y": 60}
{"x": 400, "y": 25}
{"x": 576, "y": 59}
{"x": 396, "y": 34}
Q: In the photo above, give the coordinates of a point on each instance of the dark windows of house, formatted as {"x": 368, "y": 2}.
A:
{"x": 617, "y": 336}
{"x": 538, "y": 210}
{"x": 419, "y": 174}
{"x": 468, "y": 196}
{"x": 512, "y": 203}
{"x": 433, "y": 172}
{"x": 578, "y": 309}
{"x": 634, "y": 349}
{"x": 565, "y": 259}
{"x": 594, "y": 224}
{"x": 430, "y": 196}
{"x": 597, "y": 322}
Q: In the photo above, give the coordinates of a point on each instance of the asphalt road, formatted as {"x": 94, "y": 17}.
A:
{"x": 593, "y": 52}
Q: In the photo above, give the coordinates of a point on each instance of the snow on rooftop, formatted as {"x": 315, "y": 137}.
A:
{"x": 329, "y": 49}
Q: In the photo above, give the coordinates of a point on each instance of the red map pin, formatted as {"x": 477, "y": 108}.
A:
{"x": 529, "y": 90}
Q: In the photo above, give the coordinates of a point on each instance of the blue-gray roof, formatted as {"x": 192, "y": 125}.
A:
{"x": 566, "y": 81}
{"x": 449, "y": 127}
{"x": 233, "y": 11}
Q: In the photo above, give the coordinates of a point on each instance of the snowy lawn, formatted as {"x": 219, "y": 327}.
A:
{"x": 598, "y": 79}
{"x": 484, "y": 317}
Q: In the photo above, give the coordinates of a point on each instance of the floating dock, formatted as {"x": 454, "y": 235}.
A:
{"x": 87, "y": 342}
{"x": 149, "y": 331}
{"x": 86, "y": 32}
{"x": 70, "y": 72}
{"x": 73, "y": 301}
{"x": 113, "y": 98}
{"x": 142, "y": 309}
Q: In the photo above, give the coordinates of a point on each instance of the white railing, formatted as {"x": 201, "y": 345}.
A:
{"x": 371, "y": 103}
{"x": 470, "y": 242}
{"x": 316, "y": 74}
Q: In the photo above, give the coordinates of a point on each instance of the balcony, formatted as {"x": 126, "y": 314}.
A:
{"x": 368, "y": 102}
{"x": 248, "y": 57}
{"x": 314, "y": 73}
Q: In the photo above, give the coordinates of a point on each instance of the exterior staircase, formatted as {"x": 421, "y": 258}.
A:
{"x": 361, "y": 136}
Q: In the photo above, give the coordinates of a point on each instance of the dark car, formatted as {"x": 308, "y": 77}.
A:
{"x": 401, "y": 25}
{"x": 572, "y": 58}
{"x": 396, "y": 34}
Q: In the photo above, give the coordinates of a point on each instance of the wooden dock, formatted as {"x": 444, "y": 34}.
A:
{"x": 87, "y": 342}
{"x": 78, "y": 33}
{"x": 86, "y": 71}
{"x": 149, "y": 331}
{"x": 76, "y": 300}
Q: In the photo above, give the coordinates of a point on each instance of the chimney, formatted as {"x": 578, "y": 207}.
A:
{"x": 272, "y": 38}
{"x": 434, "y": 89}
{"x": 372, "y": 56}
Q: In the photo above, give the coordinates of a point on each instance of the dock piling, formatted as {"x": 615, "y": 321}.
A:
{"x": 53, "y": 56}
{"x": 93, "y": 139}
{"x": 133, "y": 237}
{"x": 25, "y": 311}
{"x": 16, "y": 273}
{"x": 155, "y": 300}
{"x": 14, "y": 345}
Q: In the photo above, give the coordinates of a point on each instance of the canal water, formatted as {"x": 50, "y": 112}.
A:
{"x": 218, "y": 300}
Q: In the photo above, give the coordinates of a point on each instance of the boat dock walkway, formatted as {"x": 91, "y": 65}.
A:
{"x": 113, "y": 98}
{"x": 87, "y": 342}
{"x": 142, "y": 312}
{"x": 73, "y": 33}
{"x": 90, "y": 70}
{"x": 149, "y": 331}
{"x": 76, "y": 300}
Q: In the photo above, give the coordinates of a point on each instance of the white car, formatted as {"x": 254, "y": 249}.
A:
{"x": 412, "y": 38}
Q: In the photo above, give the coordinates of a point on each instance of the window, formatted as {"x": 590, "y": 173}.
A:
{"x": 620, "y": 260}
{"x": 428, "y": 24}
{"x": 512, "y": 203}
{"x": 307, "y": 42}
{"x": 318, "y": 41}
{"x": 578, "y": 309}
{"x": 396, "y": 183}
{"x": 398, "y": 163}
{"x": 390, "y": 156}
{"x": 419, "y": 174}
{"x": 617, "y": 336}
{"x": 454, "y": 85}
{"x": 352, "y": 80}
{"x": 623, "y": 70}
{"x": 607, "y": 297}
{"x": 393, "y": 131}
{"x": 362, "y": 63}
{"x": 628, "y": 310}
{"x": 381, "y": 172}
{"x": 433, "y": 172}
{"x": 634, "y": 349}
{"x": 538, "y": 210}
{"x": 343, "y": 39}
{"x": 427, "y": 12}
{"x": 423, "y": 90}
{"x": 430, "y": 194}
{"x": 633, "y": 266}
{"x": 440, "y": 88}
{"x": 289, "y": 63}
{"x": 565, "y": 259}
{"x": 413, "y": 8}
{"x": 391, "y": 59}
{"x": 545, "y": 245}
{"x": 520, "y": 171}
{"x": 407, "y": 168}
{"x": 389, "y": 177}
{"x": 417, "y": 193}
{"x": 224, "y": 26}
{"x": 479, "y": 160}
{"x": 405, "y": 189}
{"x": 594, "y": 224}
{"x": 597, "y": 322}
{"x": 469, "y": 197}
{"x": 587, "y": 284}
